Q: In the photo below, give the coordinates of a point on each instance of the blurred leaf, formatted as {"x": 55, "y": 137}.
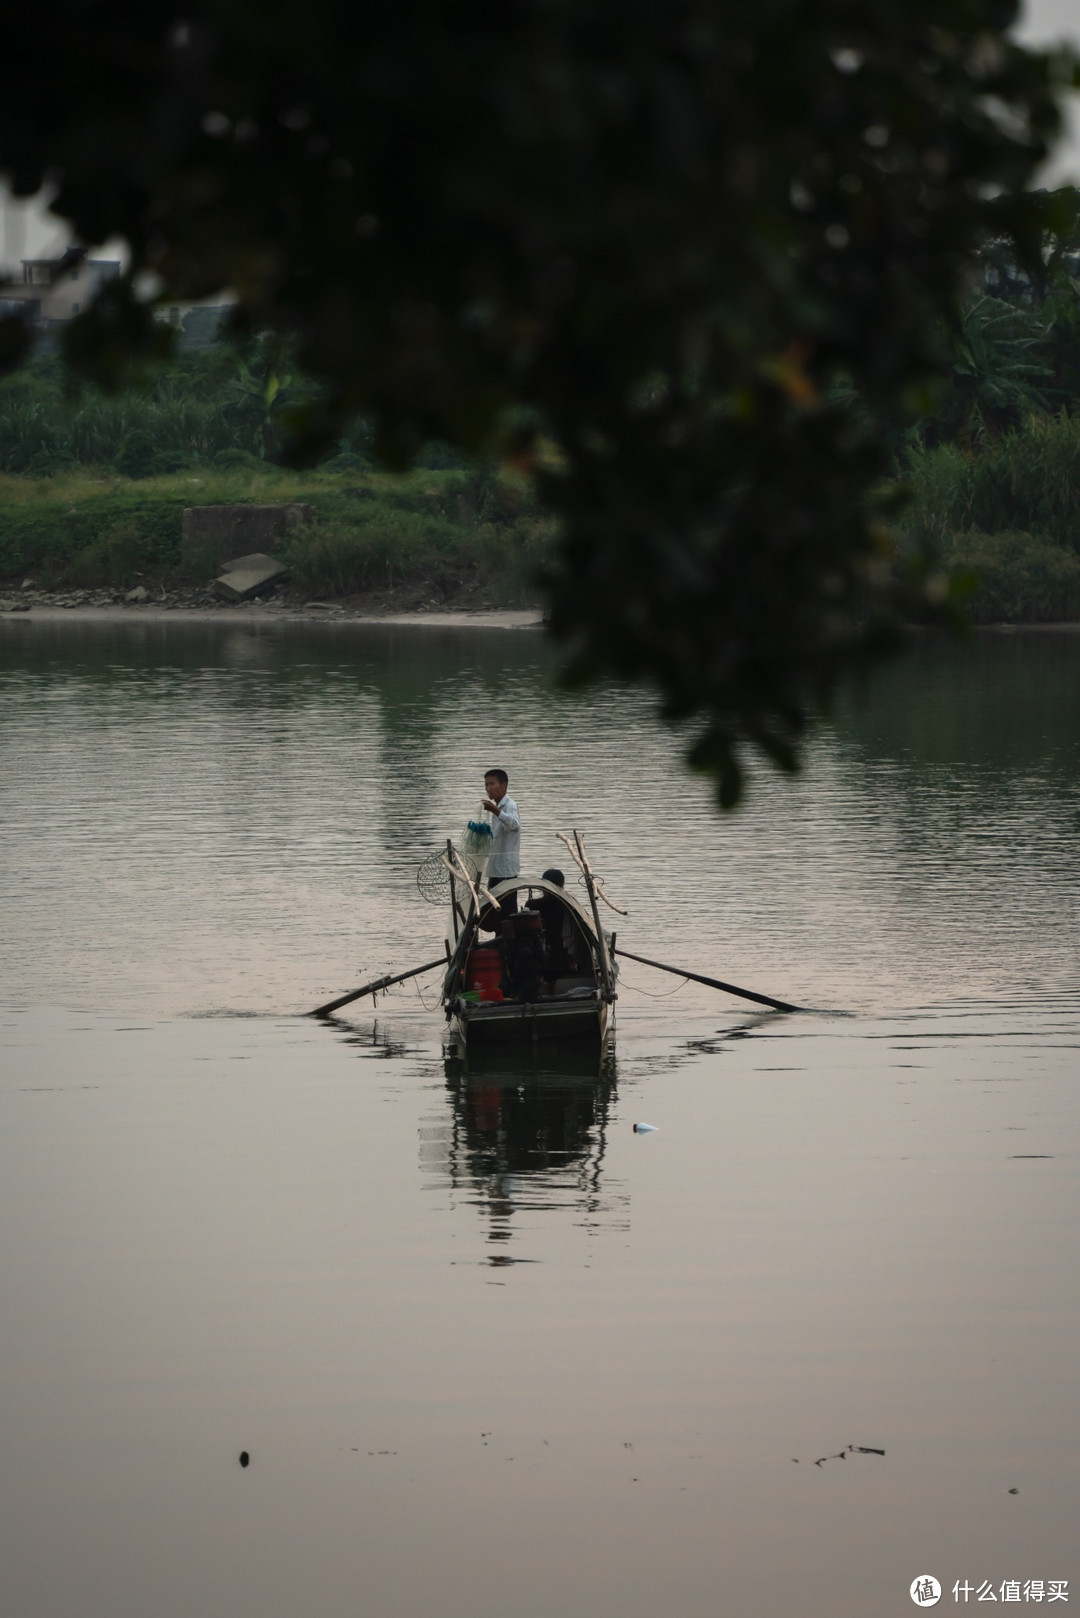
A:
{"x": 14, "y": 342}
{"x": 116, "y": 340}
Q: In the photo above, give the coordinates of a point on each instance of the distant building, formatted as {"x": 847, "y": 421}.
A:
{"x": 57, "y": 288}
{"x": 53, "y": 290}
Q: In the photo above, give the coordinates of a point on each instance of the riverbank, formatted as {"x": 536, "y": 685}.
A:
{"x": 264, "y": 612}
{"x": 447, "y": 540}
{"x": 1020, "y": 597}
{"x": 358, "y": 610}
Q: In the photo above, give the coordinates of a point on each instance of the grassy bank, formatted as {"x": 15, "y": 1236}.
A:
{"x": 1004, "y": 512}
{"x": 93, "y": 486}
{"x": 449, "y": 532}
{"x": 93, "y": 489}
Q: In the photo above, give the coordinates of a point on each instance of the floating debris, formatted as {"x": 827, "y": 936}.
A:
{"x": 1014, "y": 1491}
{"x": 644, "y": 1129}
{"x": 849, "y": 1449}
{"x": 245, "y": 1458}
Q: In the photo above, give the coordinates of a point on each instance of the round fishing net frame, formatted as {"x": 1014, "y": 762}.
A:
{"x": 433, "y": 879}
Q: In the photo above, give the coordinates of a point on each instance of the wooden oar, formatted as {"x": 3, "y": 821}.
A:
{"x": 373, "y": 988}
{"x": 713, "y": 983}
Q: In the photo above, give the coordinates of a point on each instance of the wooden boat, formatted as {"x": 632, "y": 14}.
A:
{"x": 544, "y": 970}
{"x": 547, "y": 970}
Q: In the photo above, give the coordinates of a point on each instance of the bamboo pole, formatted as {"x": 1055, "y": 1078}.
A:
{"x": 453, "y": 862}
{"x": 456, "y": 911}
{"x": 601, "y": 943}
{"x": 561, "y": 835}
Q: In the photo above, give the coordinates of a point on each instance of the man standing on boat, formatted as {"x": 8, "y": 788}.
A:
{"x": 505, "y": 860}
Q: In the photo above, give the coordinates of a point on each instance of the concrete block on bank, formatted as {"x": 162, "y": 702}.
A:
{"x": 210, "y": 536}
{"x": 247, "y": 575}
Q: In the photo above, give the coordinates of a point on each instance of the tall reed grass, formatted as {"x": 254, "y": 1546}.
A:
{"x": 183, "y": 418}
{"x": 1006, "y": 513}
{"x": 1027, "y": 481}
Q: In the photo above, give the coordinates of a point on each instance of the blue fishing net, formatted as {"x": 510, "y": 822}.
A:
{"x": 476, "y": 840}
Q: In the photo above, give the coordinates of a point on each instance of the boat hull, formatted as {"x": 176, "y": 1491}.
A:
{"x": 526, "y": 1022}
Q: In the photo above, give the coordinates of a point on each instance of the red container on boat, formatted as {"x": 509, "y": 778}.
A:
{"x": 484, "y": 971}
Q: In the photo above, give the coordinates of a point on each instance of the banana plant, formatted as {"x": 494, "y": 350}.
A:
{"x": 999, "y": 372}
{"x": 263, "y": 391}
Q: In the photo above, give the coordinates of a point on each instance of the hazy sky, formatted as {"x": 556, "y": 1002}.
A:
{"x": 26, "y": 229}
{"x": 1045, "y": 21}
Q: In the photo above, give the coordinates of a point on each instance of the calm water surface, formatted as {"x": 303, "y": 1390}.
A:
{"x": 489, "y": 1350}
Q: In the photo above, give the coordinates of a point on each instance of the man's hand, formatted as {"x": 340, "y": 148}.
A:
{"x": 489, "y": 803}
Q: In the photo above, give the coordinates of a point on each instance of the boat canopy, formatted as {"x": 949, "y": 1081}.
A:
{"x": 538, "y": 885}
{"x": 501, "y": 890}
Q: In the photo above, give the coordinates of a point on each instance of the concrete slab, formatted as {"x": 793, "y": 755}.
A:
{"x": 248, "y": 574}
{"x": 211, "y": 536}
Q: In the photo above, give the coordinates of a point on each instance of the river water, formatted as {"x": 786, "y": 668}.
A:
{"x": 491, "y": 1351}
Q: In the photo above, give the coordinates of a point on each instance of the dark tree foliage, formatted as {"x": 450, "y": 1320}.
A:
{"x": 999, "y": 374}
{"x": 1046, "y": 290}
{"x": 630, "y": 242}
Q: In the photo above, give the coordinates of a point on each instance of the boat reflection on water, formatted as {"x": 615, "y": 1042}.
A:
{"x": 527, "y": 1132}
{"x": 374, "y": 1042}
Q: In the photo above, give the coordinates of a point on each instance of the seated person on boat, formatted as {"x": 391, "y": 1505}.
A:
{"x": 561, "y": 940}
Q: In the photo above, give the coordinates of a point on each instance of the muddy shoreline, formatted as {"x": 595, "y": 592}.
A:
{"x": 196, "y": 606}
{"x": 353, "y": 610}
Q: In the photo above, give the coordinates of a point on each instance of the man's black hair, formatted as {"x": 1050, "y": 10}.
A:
{"x": 554, "y": 876}
{"x": 500, "y": 775}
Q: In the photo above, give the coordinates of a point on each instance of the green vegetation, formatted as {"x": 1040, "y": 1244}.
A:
{"x": 1005, "y": 513}
{"x": 1028, "y": 479}
{"x": 218, "y": 407}
{"x": 453, "y": 531}
{"x": 1017, "y": 578}
{"x": 93, "y": 487}
{"x": 993, "y": 471}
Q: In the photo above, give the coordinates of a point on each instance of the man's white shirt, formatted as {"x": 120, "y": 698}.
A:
{"x": 505, "y": 858}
